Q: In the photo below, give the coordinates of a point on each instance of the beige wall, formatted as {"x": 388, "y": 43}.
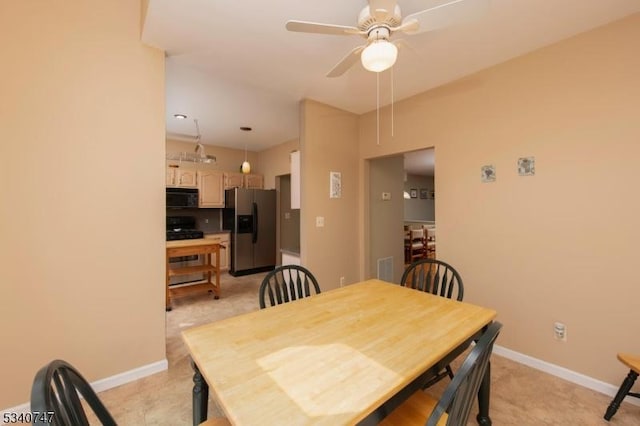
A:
{"x": 82, "y": 119}
{"x": 558, "y": 246}
{"x": 227, "y": 159}
{"x": 329, "y": 142}
{"x": 386, "y": 175}
{"x": 275, "y": 161}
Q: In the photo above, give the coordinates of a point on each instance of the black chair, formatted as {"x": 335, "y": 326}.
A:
{"x": 55, "y": 390}
{"x": 434, "y": 276}
{"x": 439, "y": 278}
{"x": 633, "y": 363}
{"x": 287, "y": 283}
{"x": 455, "y": 404}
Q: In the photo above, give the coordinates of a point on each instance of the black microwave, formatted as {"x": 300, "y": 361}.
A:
{"x": 182, "y": 197}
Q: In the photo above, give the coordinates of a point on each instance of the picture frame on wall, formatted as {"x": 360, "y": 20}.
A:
{"x": 335, "y": 185}
{"x": 424, "y": 193}
{"x": 413, "y": 192}
{"x": 488, "y": 173}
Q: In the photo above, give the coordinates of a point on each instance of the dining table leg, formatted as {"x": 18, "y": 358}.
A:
{"x": 200, "y": 396}
{"x": 484, "y": 394}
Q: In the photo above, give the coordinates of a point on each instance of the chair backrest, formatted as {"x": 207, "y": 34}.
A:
{"x": 55, "y": 390}
{"x": 417, "y": 234}
{"x": 459, "y": 396}
{"x": 287, "y": 283}
{"x": 434, "y": 276}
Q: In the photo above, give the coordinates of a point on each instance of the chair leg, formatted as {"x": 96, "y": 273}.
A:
{"x": 625, "y": 387}
{"x": 449, "y": 371}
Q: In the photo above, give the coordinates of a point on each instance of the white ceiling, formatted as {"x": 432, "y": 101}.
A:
{"x": 232, "y": 63}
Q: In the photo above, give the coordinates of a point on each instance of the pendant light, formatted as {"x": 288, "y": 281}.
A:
{"x": 246, "y": 167}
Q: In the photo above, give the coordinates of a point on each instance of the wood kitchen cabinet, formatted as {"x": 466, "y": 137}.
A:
{"x": 233, "y": 180}
{"x": 224, "y": 240}
{"x": 210, "y": 188}
{"x": 183, "y": 178}
{"x": 254, "y": 181}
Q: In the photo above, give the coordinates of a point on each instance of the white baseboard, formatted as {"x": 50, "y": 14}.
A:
{"x": 129, "y": 376}
{"x": 106, "y": 383}
{"x": 564, "y": 373}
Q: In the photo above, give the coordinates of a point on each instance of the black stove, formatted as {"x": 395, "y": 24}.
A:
{"x": 182, "y": 228}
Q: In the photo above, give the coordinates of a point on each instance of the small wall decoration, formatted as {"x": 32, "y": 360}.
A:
{"x": 413, "y": 192}
{"x": 526, "y": 166}
{"x": 488, "y": 173}
{"x": 424, "y": 193}
{"x": 335, "y": 185}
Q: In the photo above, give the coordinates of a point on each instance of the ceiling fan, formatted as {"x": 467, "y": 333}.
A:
{"x": 380, "y": 19}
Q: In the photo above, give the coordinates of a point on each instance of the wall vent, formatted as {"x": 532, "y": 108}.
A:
{"x": 385, "y": 269}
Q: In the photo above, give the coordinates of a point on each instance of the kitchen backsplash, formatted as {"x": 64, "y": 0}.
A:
{"x": 207, "y": 220}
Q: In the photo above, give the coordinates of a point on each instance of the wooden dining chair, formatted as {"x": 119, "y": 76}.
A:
{"x": 55, "y": 390}
{"x": 454, "y": 406}
{"x": 430, "y": 240}
{"x": 285, "y": 284}
{"x": 633, "y": 363}
{"x": 439, "y": 278}
{"x": 415, "y": 245}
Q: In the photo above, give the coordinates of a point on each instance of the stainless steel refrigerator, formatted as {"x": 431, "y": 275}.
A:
{"x": 250, "y": 215}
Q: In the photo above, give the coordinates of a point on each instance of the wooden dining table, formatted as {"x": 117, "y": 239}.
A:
{"x": 343, "y": 357}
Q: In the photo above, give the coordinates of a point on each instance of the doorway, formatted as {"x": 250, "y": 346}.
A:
{"x": 401, "y": 193}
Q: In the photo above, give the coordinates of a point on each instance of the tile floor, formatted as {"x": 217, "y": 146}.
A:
{"x": 520, "y": 396}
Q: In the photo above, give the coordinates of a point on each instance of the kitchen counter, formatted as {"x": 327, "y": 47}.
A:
{"x": 290, "y": 252}
{"x": 201, "y": 246}
{"x": 290, "y": 257}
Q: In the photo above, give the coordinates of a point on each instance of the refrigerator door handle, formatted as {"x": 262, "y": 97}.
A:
{"x": 255, "y": 223}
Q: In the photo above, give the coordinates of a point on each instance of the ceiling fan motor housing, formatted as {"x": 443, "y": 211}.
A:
{"x": 366, "y": 19}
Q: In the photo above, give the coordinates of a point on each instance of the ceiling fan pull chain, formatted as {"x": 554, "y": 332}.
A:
{"x": 392, "y": 99}
{"x": 378, "y": 108}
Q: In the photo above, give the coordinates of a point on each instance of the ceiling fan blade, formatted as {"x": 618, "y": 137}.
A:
{"x": 407, "y": 26}
{"x": 317, "y": 28}
{"x": 446, "y": 14}
{"x": 381, "y": 9}
{"x": 346, "y": 62}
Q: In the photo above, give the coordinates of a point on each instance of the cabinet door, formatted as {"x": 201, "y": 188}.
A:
{"x": 211, "y": 189}
{"x": 185, "y": 178}
{"x": 224, "y": 252}
{"x": 254, "y": 181}
{"x": 233, "y": 180}
{"x": 295, "y": 180}
{"x": 170, "y": 176}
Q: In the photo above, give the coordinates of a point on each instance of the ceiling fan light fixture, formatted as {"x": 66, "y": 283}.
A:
{"x": 379, "y": 55}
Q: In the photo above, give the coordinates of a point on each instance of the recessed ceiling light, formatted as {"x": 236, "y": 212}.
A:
{"x": 180, "y": 116}
{"x": 246, "y": 129}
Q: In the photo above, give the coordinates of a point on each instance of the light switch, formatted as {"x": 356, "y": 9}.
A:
{"x": 287, "y": 215}
{"x": 319, "y": 221}
{"x": 386, "y": 196}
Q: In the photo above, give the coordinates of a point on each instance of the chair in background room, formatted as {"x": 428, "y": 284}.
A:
{"x": 55, "y": 390}
{"x": 430, "y": 241}
{"x": 415, "y": 246}
{"x": 439, "y": 278}
{"x": 287, "y": 283}
{"x": 633, "y": 362}
{"x": 455, "y": 404}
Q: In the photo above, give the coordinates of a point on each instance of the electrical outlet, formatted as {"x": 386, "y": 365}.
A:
{"x": 560, "y": 331}
{"x": 319, "y": 221}
{"x": 341, "y": 281}
{"x": 386, "y": 196}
